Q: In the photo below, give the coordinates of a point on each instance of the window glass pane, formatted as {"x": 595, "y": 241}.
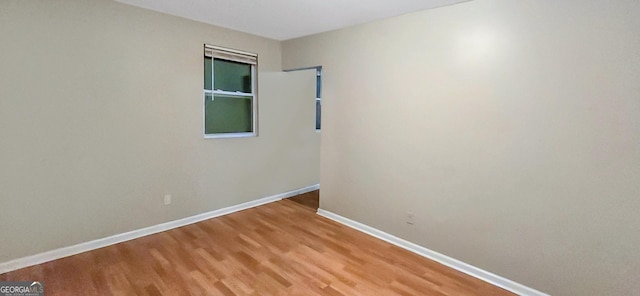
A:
{"x": 318, "y": 86}
{"x": 318, "y": 110}
{"x": 228, "y": 114}
{"x": 232, "y": 76}
{"x": 207, "y": 73}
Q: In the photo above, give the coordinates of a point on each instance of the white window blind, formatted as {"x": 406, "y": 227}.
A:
{"x": 230, "y": 54}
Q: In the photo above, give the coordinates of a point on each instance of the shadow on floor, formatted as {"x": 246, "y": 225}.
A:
{"x": 309, "y": 199}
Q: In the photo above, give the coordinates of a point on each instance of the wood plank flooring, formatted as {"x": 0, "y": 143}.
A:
{"x": 282, "y": 248}
{"x": 310, "y": 199}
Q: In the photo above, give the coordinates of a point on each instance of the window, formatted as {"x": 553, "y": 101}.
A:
{"x": 318, "y": 96}
{"x": 230, "y": 100}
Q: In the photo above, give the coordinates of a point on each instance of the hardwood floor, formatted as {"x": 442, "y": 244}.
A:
{"x": 282, "y": 248}
{"x": 310, "y": 199}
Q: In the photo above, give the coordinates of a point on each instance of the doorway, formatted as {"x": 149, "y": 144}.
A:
{"x": 312, "y": 199}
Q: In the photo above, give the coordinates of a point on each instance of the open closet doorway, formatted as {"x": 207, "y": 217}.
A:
{"x": 312, "y": 199}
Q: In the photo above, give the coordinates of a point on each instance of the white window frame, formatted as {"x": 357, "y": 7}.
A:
{"x": 222, "y": 53}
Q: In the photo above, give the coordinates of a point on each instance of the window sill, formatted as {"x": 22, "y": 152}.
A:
{"x": 230, "y": 135}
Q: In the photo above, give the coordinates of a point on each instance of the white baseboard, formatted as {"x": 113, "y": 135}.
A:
{"x": 300, "y": 191}
{"x": 123, "y": 237}
{"x": 471, "y": 270}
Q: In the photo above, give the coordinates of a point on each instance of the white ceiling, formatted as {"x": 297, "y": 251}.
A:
{"x": 287, "y": 19}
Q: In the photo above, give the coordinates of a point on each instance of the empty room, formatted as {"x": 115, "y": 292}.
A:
{"x": 341, "y": 147}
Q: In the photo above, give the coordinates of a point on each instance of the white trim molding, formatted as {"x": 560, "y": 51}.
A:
{"x": 127, "y": 236}
{"x": 458, "y": 265}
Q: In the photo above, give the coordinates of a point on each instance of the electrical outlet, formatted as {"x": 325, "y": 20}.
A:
{"x": 167, "y": 199}
{"x": 410, "y": 217}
